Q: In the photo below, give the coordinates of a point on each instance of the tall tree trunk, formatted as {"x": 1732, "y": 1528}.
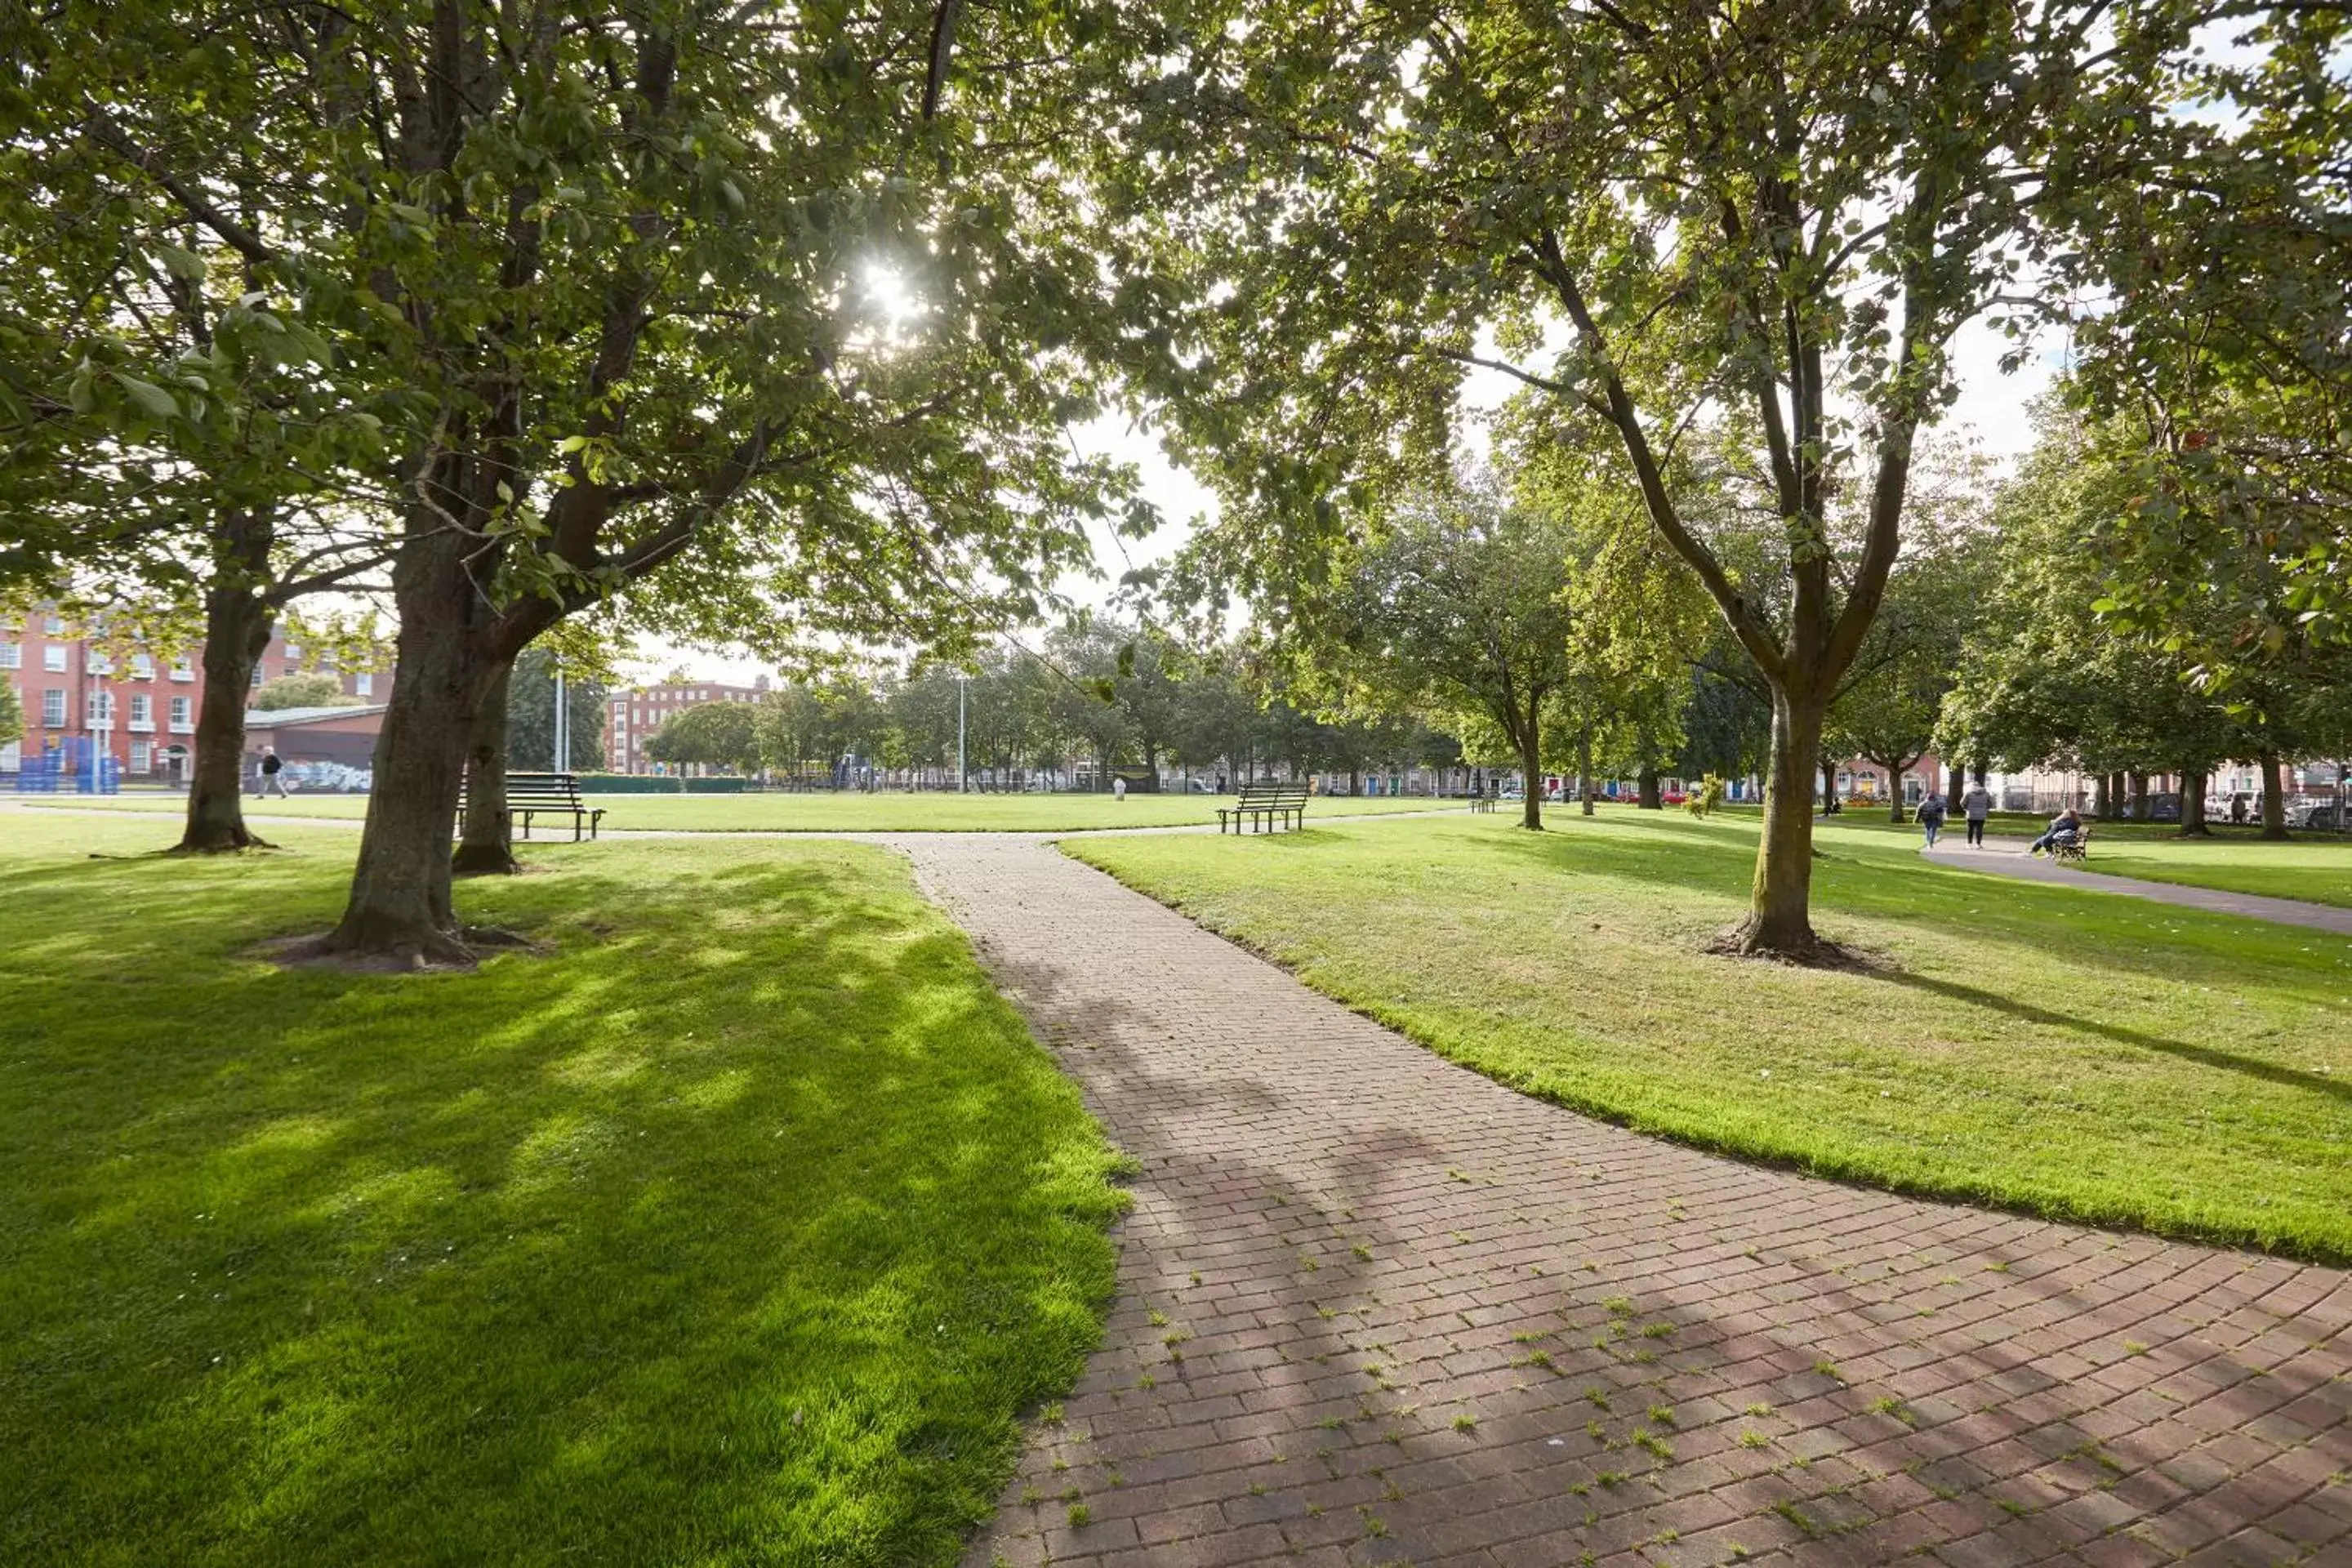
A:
{"x": 237, "y": 630}
{"x": 399, "y": 911}
{"x": 1647, "y": 782}
{"x": 1355, "y": 781}
{"x": 485, "y": 842}
{"x": 1829, "y": 785}
{"x": 1953, "y": 786}
{"x": 1894, "y": 787}
{"x": 2139, "y": 782}
{"x": 1781, "y": 922}
{"x": 2192, "y": 805}
{"x": 2103, "y": 799}
{"x": 1584, "y": 771}
{"x": 2274, "y": 797}
{"x": 1530, "y": 765}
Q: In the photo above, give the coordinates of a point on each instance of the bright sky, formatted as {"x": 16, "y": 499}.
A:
{"x": 1994, "y": 407}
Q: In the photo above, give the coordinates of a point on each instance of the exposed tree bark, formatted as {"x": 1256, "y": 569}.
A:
{"x": 237, "y": 630}
{"x": 2139, "y": 785}
{"x": 1894, "y": 768}
{"x": 1584, "y": 771}
{"x": 1954, "y": 785}
{"x": 485, "y": 843}
{"x": 1531, "y": 770}
{"x": 2274, "y": 797}
{"x": 1829, "y": 785}
{"x": 2103, "y": 799}
{"x": 1780, "y": 922}
{"x": 1355, "y": 781}
{"x": 1647, "y": 782}
{"x": 2193, "y": 805}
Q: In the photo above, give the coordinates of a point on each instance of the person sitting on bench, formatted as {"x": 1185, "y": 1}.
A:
{"x": 2064, "y": 828}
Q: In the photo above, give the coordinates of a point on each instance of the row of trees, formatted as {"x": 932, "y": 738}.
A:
{"x": 523, "y": 314}
{"x": 1098, "y": 695}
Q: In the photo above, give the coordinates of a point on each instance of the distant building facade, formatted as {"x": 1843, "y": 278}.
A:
{"x": 636, "y": 714}
{"x": 139, "y": 708}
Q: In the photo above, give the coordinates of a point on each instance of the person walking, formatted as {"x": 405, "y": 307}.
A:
{"x": 1931, "y": 815}
{"x": 1976, "y": 805}
{"x": 271, "y": 766}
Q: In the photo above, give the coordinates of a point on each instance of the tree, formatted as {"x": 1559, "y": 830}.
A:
{"x": 12, "y": 714}
{"x": 315, "y": 690}
{"x": 531, "y": 715}
{"x": 630, "y": 332}
{"x": 716, "y": 734}
{"x": 1750, "y": 218}
{"x": 1458, "y": 601}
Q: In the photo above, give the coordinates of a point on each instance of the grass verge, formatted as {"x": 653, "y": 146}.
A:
{"x": 2037, "y": 1048}
{"x": 736, "y": 1228}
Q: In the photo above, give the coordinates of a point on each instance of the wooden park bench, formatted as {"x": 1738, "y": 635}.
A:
{"x": 1270, "y": 806}
{"x": 2077, "y": 848}
{"x": 1483, "y": 799}
{"x": 544, "y": 794}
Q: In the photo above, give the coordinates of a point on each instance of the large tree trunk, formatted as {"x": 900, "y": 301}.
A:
{"x": 1894, "y": 787}
{"x": 1829, "y": 785}
{"x": 1647, "y": 782}
{"x": 237, "y": 630}
{"x": 1530, "y": 767}
{"x": 1953, "y": 786}
{"x": 1780, "y": 922}
{"x": 2192, "y": 805}
{"x": 399, "y": 911}
{"x": 2103, "y": 799}
{"x": 1584, "y": 771}
{"x": 2274, "y": 797}
{"x": 2139, "y": 782}
{"x": 485, "y": 841}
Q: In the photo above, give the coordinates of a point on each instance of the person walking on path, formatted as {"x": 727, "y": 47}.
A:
{"x": 271, "y": 766}
{"x": 1931, "y": 815}
{"x": 1977, "y": 806}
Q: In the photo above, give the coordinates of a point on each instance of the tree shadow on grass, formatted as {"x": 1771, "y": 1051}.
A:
{"x": 2203, "y": 1056}
{"x": 736, "y": 1227}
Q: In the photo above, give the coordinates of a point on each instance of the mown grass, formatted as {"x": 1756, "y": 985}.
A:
{"x": 734, "y": 1229}
{"x": 2034, "y": 1046}
{"x": 941, "y": 811}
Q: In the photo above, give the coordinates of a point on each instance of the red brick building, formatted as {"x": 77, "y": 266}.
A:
{"x": 634, "y": 715}
{"x": 140, "y": 708}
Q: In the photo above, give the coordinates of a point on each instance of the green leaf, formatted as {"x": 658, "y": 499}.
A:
{"x": 152, "y": 399}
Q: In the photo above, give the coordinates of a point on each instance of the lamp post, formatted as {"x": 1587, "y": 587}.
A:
{"x": 963, "y": 777}
{"x": 562, "y": 723}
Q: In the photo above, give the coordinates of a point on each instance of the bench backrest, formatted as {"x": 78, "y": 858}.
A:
{"x": 1274, "y": 795}
{"x": 537, "y": 790}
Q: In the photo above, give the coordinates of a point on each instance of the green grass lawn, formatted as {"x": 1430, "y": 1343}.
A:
{"x": 735, "y": 1228}
{"x": 888, "y": 812}
{"x": 2062, "y": 1052}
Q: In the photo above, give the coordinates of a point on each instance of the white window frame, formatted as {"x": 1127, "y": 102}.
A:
{"x": 183, "y": 715}
{"x": 54, "y": 708}
{"x": 143, "y": 713}
{"x": 12, "y": 656}
{"x": 183, "y": 671}
{"x": 363, "y": 684}
{"x": 53, "y": 658}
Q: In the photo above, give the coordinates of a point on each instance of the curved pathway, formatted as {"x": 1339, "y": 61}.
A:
{"x": 2012, "y": 860}
{"x": 1377, "y": 1309}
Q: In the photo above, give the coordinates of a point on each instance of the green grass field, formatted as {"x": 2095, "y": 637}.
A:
{"x": 734, "y": 1229}
{"x": 888, "y": 812}
{"x": 2061, "y": 1052}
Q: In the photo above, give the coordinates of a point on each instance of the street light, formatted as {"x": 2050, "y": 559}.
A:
{"x": 562, "y": 723}
{"x": 963, "y": 776}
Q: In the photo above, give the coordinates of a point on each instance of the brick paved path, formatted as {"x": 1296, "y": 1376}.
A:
{"x": 1376, "y": 1308}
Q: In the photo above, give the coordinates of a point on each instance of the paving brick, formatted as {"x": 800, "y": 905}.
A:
{"x": 1274, "y": 1127}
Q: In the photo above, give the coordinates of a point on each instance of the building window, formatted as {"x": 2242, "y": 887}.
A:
{"x": 363, "y": 684}
{"x": 179, "y": 724}
{"x": 99, "y": 664}
{"x": 11, "y": 656}
{"x": 53, "y": 709}
{"x": 256, "y": 682}
{"x": 143, "y": 756}
{"x": 101, "y": 709}
{"x": 143, "y": 666}
{"x": 183, "y": 671}
{"x": 53, "y": 658}
{"x": 54, "y": 624}
{"x": 143, "y": 711}
{"x": 12, "y": 757}
{"x": 293, "y": 655}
